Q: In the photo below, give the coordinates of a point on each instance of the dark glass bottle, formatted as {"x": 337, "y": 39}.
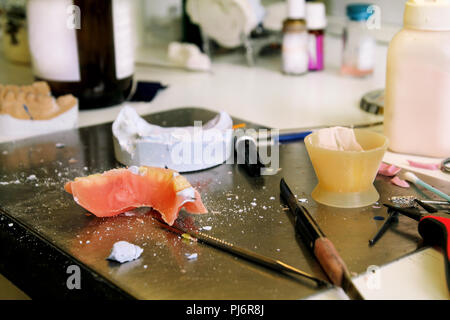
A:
{"x": 103, "y": 53}
{"x": 191, "y": 32}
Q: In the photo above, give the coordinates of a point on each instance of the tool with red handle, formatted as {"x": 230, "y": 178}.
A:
{"x": 435, "y": 231}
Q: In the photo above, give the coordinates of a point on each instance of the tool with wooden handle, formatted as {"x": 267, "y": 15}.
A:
{"x": 322, "y": 248}
{"x": 435, "y": 231}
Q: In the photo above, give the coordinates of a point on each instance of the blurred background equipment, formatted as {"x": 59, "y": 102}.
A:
{"x": 231, "y": 24}
{"x": 163, "y": 21}
{"x": 226, "y": 21}
{"x": 15, "y": 36}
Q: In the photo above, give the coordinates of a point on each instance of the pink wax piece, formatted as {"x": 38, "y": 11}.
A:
{"x": 429, "y": 166}
{"x": 399, "y": 182}
{"x": 388, "y": 170}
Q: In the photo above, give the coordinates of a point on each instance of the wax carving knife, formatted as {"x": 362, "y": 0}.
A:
{"x": 241, "y": 252}
{"x": 322, "y": 248}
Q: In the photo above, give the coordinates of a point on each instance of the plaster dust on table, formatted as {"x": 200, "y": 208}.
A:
{"x": 232, "y": 212}
{"x": 46, "y": 185}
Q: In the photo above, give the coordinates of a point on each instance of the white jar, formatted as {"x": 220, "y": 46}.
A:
{"x": 295, "y": 39}
{"x": 417, "y": 101}
{"x": 358, "y": 57}
{"x": 295, "y": 50}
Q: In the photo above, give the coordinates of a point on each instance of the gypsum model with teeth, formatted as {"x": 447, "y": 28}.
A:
{"x": 33, "y": 102}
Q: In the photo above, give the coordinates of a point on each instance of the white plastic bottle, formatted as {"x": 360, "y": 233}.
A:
{"x": 358, "y": 56}
{"x": 417, "y": 101}
{"x": 295, "y": 39}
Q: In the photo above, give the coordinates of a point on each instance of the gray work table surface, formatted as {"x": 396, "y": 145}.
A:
{"x": 245, "y": 211}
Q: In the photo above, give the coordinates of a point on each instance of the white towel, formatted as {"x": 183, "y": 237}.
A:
{"x": 338, "y": 138}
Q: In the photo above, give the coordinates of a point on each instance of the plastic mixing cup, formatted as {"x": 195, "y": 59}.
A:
{"x": 345, "y": 178}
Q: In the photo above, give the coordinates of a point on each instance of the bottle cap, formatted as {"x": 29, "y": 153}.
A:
{"x": 373, "y": 102}
{"x": 427, "y": 15}
{"x": 316, "y": 18}
{"x": 296, "y": 9}
{"x": 359, "y": 11}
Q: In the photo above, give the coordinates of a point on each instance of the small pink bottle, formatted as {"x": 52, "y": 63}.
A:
{"x": 316, "y": 22}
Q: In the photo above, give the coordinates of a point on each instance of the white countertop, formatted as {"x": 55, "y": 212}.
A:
{"x": 264, "y": 95}
{"x": 261, "y": 93}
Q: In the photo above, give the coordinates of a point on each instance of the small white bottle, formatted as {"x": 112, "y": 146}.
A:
{"x": 358, "y": 57}
{"x": 295, "y": 39}
{"x": 417, "y": 99}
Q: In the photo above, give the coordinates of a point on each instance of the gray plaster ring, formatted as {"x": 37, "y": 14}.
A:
{"x": 184, "y": 149}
